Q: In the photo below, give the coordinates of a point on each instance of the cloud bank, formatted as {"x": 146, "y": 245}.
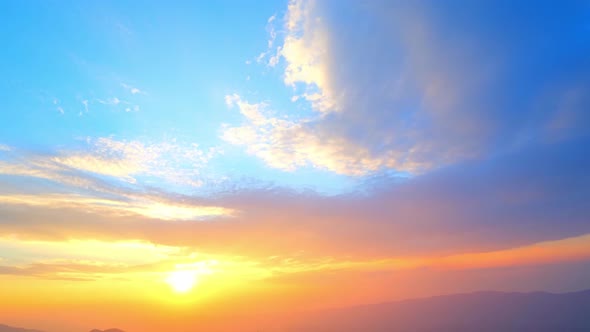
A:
{"x": 416, "y": 86}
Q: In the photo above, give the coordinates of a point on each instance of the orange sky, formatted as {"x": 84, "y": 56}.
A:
{"x": 255, "y": 287}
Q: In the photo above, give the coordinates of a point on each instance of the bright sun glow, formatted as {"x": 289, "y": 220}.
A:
{"x": 182, "y": 281}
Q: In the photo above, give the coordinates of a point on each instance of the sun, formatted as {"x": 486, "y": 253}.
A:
{"x": 182, "y": 281}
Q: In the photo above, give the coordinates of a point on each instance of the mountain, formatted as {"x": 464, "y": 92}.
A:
{"x": 6, "y": 328}
{"x": 482, "y": 312}
{"x": 474, "y": 312}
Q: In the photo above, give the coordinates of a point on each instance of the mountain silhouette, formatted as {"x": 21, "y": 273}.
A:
{"x": 6, "y": 328}
{"x": 482, "y": 312}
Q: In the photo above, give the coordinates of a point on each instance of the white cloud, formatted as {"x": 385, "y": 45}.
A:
{"x": 170, "y": 162}
{"x": 58, "y": 107}
{"x": 272, "y": 55}
{"x": 132, "y": 89}
{"x": 306, "y": 52}
{"x": 85, "y": 103}
{"x": 148, "y": 207}
{"x": 110, "y": 101}
{"x": 411, "y": 90}
{"x": 125, "y": 159}
{"x": 134, "y": 108}
{"x": 288, "y": 145}
{"x": 4, "y": 147}
{"x": 115, "y": 101}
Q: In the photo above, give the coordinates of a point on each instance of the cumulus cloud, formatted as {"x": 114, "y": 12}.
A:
{"x": 408, "y": 88}
{"x": 288, "y": 145}
{"x": 305, "y": 50}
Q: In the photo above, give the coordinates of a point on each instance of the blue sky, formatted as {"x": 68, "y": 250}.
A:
{"x": 105, "y": 69}
{"x": 232, "y": 95}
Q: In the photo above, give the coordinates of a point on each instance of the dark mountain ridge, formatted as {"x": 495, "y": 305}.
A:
{"x": 6, "y": 328}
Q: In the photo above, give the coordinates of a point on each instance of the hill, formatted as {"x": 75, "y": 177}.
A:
{"x": 484, "y": 312}
{"x": 6, "y": 328}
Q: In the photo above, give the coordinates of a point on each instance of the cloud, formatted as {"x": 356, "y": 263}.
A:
{"x": 521, "y": 210}
{"x": 132, "y": 89}
{"x": 85, "y": 103}
{"x": 110, "y": 101}
{"x": 410, "y": 88}
{"x": 171, "y": 162}
{"x": 135, "y": 108}
{"x": 288, "y": 145}
{"x": 305, "y": 49}
{"x": 4, "y": 147}
{"x": 272, "y": 54}
{"x": 114, "y": 101}
{"x": 90, "y": 260}
{"x": 144, "y": 206}
{"x": 58, "y": 107}
{"x": 503, "y": 203}
{"x": 93, "y": 179}
{"x": 125, "y": 159}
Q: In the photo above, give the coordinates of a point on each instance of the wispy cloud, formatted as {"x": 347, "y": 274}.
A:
{"x": 272, "y": 55}
{"x": 133, "y": 90}
{"x": 110, "y": 101}
{"x": 92, "y": 178}
{"x": 58, "y": 107}
{"x": 144, "y": 206}
{"x": 170, "y": 162}
{"x": 85, "y": 104}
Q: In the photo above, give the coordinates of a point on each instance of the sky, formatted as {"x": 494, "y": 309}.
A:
{"x": 164, "y": 166}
